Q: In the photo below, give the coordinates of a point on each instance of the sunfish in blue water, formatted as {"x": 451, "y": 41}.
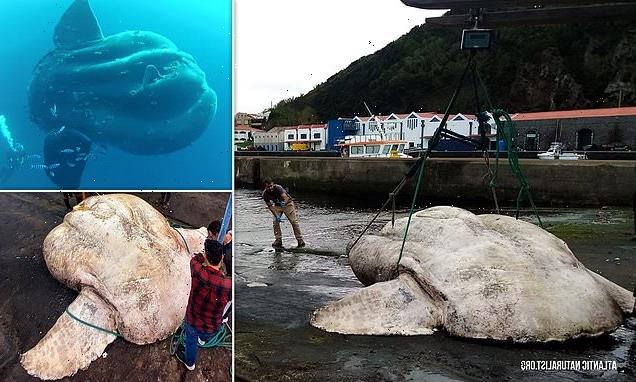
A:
{"x": 134, "y": 90}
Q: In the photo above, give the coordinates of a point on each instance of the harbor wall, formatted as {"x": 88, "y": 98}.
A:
{"x": 459, "y": 181}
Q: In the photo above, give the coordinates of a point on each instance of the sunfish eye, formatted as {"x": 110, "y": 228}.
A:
{"x": 151, "y": 75}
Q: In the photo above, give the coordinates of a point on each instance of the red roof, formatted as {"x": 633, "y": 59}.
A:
{"x": 278, "y": 129}
{"x": 426, "y": 115}
{"x": 315, "y": 126}
{"x": 565, "y": 114}
{"x": 245, "y": 128}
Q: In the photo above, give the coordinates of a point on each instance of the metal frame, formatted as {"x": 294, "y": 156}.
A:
{"x": 495, "y": 13}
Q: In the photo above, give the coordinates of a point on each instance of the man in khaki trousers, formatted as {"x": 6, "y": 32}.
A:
{"x": 279, "y": 202}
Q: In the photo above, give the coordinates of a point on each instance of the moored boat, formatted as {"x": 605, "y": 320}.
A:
{"x": 556, "y": 152}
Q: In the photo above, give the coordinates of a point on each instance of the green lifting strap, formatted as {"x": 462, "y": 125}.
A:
{"x": 91, "y": 325}
{"x": 222, "y": 338}
{"x": 507, "y": 131}
{"x": 184, "y": 240}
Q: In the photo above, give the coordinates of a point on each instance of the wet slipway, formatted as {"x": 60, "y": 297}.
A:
{"x": 276, "y": 293}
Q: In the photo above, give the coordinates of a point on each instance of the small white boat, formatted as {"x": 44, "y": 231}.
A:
{"x": 556, "y": 152}
{"x": 373, "y": 146}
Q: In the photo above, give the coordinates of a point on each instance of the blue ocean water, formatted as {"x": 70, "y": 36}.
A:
{"x": 201, "y": 28}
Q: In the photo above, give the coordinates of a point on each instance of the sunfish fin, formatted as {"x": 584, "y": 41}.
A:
{"x": 62, "y": 166}
{"x": 78, "y": 26}
{"x": 71, "y": 345}
{"x": 623, "y": 297}
{"x": 151, "y": 75}
{"x": 395, "y": 307}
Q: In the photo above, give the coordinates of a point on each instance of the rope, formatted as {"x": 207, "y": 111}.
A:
{"x": 417, "y": 191}
{"x": 91, "y": 325}
{"x": 504, "y": 129}
{"x": 222, "y": 338}
{"x": 490, "y": 174}
{"x": 508, "y": 132}
{"x": 184, "y": 240}
{"x": 431, "y": 145}
{"x": 420, "y": 162}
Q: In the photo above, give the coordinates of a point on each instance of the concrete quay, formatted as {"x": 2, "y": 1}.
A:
{"x": 461, "y": 181}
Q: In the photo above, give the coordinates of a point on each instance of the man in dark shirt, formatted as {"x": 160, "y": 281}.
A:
{"x": 209, "y": 295}
{"x": 279, "y": 202}
{"x": 213, "y": 233}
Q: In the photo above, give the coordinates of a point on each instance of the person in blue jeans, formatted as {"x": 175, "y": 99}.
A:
{"x": 210, "y": 293}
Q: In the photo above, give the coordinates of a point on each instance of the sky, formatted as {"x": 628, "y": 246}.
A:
{"x": 284, "y": 48}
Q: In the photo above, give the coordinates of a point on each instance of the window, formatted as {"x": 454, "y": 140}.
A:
{"x": 316, "y": 135}
{"x": 357, "y": 150}
{"x": 373, "y": 149}
{"x": 290, "y": 136}
{"x": 532, "y": 141}
{"x": 303, "y": 136}
{"x": 458, "y": 118}
{"x": 401, "y": 148}
{"x": 412, "y": 123}
{"x": 584, "y": 139}
{"x": 386, "y": 149}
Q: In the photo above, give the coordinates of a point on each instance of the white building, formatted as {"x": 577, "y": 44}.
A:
{"x": 271, "y": 140}
{"x": 305, "y": 137}
{"x": 418, "y": 128}
{"x": 285, "y": 138}
{"x": 244, "y": 133}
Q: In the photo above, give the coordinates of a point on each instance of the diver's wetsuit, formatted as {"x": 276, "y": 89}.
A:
{"x": 15, "y": 160}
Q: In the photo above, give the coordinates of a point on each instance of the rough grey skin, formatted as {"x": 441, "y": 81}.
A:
{"x": 482, "y": 277}
{"x": 134, "y": 90}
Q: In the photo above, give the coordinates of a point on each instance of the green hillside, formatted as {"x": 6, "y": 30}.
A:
{"x": 529, "y": 69}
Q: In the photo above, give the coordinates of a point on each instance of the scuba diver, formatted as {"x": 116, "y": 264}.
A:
{"x": 17, "y": 157}
{"x": 63, "y": 164}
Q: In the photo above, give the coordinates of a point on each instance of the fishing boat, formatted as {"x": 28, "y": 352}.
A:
{"x": 556, "y": 152}
{"x": 372, "y": 146}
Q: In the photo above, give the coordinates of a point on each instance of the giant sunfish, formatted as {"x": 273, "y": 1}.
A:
{"x": 134, "y": 90}
{"x": 475, "y": 276}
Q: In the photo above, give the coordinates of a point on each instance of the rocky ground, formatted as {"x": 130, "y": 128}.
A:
{"x": 31, "y": 300}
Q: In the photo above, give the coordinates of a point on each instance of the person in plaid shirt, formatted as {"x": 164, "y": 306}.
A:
{"x": 209, "y": 295}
